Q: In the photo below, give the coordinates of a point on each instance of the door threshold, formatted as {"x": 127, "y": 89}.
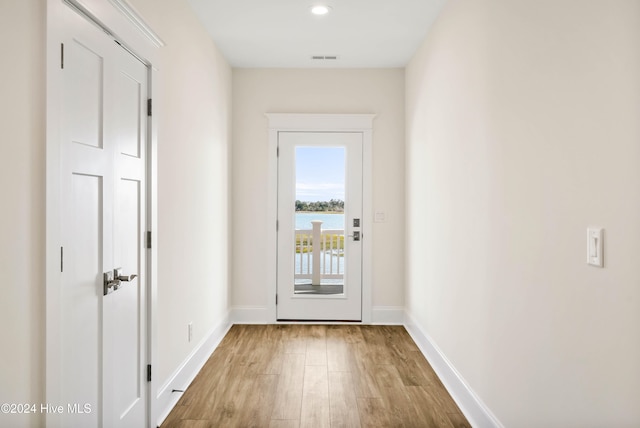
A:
{"x": 287, "y": 321}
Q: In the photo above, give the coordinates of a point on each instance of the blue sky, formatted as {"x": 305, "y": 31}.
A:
{"x": 319, "y": 173}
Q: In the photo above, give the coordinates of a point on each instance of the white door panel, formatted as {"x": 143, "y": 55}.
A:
{"x": 103, "y": 191}
{"x": 84, "y": 106}
{"x": 131, "y": 92}
{"x": 128, "y": 350}
{"x": 87, "y": 185}
{"x": 82, "y": 311}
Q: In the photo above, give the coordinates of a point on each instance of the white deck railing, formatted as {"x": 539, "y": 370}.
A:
{"x": 319, "y": 253}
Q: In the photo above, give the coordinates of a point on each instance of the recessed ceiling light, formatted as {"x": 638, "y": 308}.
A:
{"x": 320, "y": 9}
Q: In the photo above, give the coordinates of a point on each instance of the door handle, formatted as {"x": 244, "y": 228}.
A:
{"x": 110, "y": 284}
{"x": 117, "y": 272}
{"x": 355, "y": 236}
{"x": 113, "y": 280}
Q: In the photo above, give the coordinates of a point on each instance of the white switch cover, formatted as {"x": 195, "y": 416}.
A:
{"x": 594, "y": 247}
{"x": 380, "y": 217}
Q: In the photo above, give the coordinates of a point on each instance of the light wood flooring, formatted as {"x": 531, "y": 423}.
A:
{"x": 282, "y": 376}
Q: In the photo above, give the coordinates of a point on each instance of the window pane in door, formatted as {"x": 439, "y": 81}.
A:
{"x": 319, "y": 220}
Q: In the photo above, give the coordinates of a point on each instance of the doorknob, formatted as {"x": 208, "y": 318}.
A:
{"x": 355, "y": 236}
{"x": 117, "y": 272}
{"x": 110, "y": 283}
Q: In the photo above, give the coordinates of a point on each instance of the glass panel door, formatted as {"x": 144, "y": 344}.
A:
{"x": 319, "y": 214}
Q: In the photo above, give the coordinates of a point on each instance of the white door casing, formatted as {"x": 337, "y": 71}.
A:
{"x": 321, "y": 123}
{"x": 98, "y": 139}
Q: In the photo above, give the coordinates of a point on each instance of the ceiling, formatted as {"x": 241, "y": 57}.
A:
{"x": 284, "y": 33}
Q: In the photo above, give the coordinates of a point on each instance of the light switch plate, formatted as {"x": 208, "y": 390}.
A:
{"x": 595, "y": 247}
{"x": 380, "y": 217}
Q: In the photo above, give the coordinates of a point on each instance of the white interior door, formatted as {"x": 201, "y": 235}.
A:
{"x": 319, "y": 273}
{"x": 103, "y": 164}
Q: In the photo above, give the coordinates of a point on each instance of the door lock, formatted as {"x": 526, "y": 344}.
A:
{"x": 110, "y": 284}
{"x": 113, "y": 279}
{"x": 355, "y": 236}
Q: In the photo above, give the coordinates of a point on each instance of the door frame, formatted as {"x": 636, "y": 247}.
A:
{"x": 303, "y": 122}
{"x": 118, "y": 19}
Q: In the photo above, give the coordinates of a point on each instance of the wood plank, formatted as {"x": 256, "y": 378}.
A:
{"x": 288, "y": 402}
{"x": 398, "y": 407}
{"x": 348, "y": 333}
{"x": 375, "y": 348}
{"x": 342, "y": 401}
{"x": 458, "y": 420}
{"x": 421, "y": 364}
{"x": 231, "y": 404}
{"x": 398, "y": 338}
{"x": 208, "y": 391}
{"x": 258, "y": 405}
{"x": 280, "y": 423}
{"x": 315, "y": 398}
{"x": 207, "y": 379}
{"x": 410, "y": 373}
{"x": 372, "y": 412}
{"x": 362, "y": 372}
{"x": 174, "y": 418}
{"x": 434, "y": 386}
{"x": 294, "y": 339}
{"x": 191, "y": 423}
{"x": 339, "y": 353}
{"x": 427, "y": 408}
{"x": 316, "y": 353}
{"x": 276, "y": 359}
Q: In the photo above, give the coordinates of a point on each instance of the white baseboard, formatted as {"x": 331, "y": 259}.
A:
{"x": 249, "y": 315}
{"x": 187, "y": 371}
{"x": 388, "y": 315}
{"x": 476, "y": 412}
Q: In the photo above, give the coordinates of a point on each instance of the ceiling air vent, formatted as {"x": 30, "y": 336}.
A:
{"x": 324, "y": 57}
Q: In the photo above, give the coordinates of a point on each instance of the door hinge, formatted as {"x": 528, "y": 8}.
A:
{"x": 278, "y": 151}
{"x": 149, "y": 107}
{"x": 62, "y": 55}
{"x": 277, "y": 225}
{"x": 276, "y": 299}
{"x": 148, "y": 372}
{"x": 148, "y": 239}
{"x": 61, "y": 259}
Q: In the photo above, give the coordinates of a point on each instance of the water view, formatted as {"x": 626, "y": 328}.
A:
{"x": 329, "y": 221}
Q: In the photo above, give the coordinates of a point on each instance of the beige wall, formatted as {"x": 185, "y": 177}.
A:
{"x": 522, "y": 130}
{"x": 193, "y": 151}
{"x": 22, "y": 184}
{"x": 260, "y": 91}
